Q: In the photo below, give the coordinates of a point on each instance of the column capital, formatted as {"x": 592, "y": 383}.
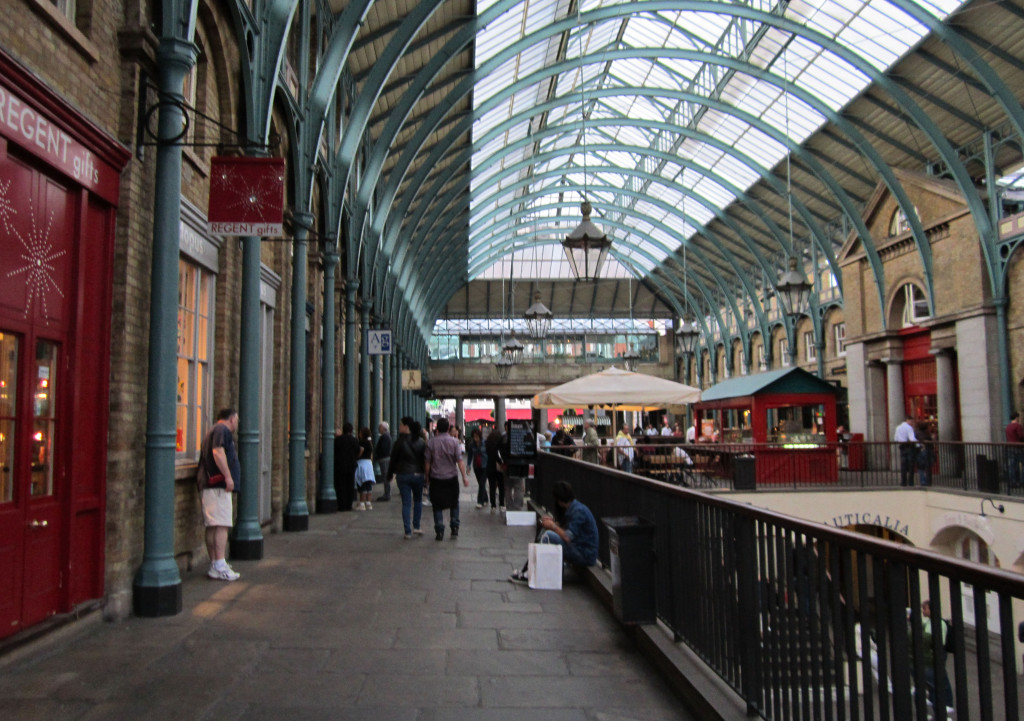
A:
{"x": 303, "y": 219}
{"x": 177, "y": 52}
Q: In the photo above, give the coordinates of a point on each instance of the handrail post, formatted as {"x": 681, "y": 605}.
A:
{"x": 749, "y": 634}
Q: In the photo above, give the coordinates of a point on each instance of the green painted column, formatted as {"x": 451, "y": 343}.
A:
{"x": 376, "y": 399}
{"x": 247, "y": 536}
{"x": 156, "y": 590}
{"x": 326, "y": 498}
{"x": 351, "y": 288}
{"x": 296, "y": 513}
{"x": 364, "y": 367}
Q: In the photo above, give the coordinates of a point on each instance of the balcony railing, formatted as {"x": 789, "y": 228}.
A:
{"x": 980, "y": 467}
{"x": 805, "y": 621}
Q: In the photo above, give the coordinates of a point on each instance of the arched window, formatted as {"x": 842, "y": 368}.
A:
{"x": 898, "y": 223}
{"x": 909, "y": 307}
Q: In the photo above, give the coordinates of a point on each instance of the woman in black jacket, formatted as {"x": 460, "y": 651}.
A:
{"x": 407, "y": 456}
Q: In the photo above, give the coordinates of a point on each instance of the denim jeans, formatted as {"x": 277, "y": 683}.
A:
{"x": 1015, "y": 458}
{"x": 410, "y": 486}
{"x": 569, "y": 553}
{"x": 908, "y": 456}
{"x": 439, "y": 518}
{"x": 481, "y": 482}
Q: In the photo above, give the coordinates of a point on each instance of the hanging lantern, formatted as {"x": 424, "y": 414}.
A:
{"x": 538, "y": 318}
{"x": 586, "y": 247}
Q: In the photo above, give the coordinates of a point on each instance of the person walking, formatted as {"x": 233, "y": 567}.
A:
{"x": 364, "y": 478}
{"x": 495, "y": 470}
{"x": 907, "y": 441}
{"x": 443, "y": 465}
{"x": 346, "y": 453}
{"x": 382, "y": 455}
{"x": 590, "y": 442}
{"x": 406, "y": 467}
{"x": 220, "y": 476}
{"x": 1015, "y": 452}
{"x": 476, "y": 458}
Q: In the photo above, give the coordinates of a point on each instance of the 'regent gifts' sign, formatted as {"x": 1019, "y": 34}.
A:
{"x": 246, "y": 196}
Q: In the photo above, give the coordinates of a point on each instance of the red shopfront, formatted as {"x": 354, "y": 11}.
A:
{"x": 59, "y": 184}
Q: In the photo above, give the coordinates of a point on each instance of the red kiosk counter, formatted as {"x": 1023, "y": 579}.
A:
{"x": 789, "y": 414}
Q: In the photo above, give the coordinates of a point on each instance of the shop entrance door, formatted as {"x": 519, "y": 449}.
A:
{"x": 36, "y": 251}
{"x": 30, "y": 516}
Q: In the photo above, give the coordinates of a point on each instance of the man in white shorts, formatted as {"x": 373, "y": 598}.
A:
{"x": 223, "y": 472}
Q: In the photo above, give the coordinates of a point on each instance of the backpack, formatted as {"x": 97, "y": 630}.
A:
{"x": 947, "y": 644}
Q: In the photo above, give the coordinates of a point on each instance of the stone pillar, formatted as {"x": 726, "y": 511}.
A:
{"x": 460, "y": 413}
{"x": 895, "y": 402}
{"x": 364, "y": 368}
{"x": 351, "y": 288}
{"x": 296, "y": 513}
{"x": 499, "y": 412}
{"x": 858, "y": 390}
{"x": 326, "y": 498}
{"x": 945, "y": 382}
{"x": 156, "y": 590}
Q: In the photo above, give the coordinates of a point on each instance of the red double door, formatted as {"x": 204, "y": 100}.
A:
{"x": 54, "y": 308}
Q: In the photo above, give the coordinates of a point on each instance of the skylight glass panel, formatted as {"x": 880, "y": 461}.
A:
{"x": 761, "y": 148}
{"x": 725, "y": 128}
{"x": 632, "y": 71}
{"x": 741, "y": 174}
{"x": 643, "y": 33}
{"x": 494, "y": 37}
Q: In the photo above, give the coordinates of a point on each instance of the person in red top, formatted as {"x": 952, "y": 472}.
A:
{"x": 1015, "y": 453}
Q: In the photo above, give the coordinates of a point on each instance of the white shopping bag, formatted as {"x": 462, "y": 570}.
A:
{"x": 544, "y": 566}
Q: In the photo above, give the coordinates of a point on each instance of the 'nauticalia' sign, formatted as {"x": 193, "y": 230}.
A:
{"x": 870, "y": 519}
{"x": 247, "y": 196}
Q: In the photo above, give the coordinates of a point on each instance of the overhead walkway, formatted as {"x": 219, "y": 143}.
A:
{"x": 350, "y": 621}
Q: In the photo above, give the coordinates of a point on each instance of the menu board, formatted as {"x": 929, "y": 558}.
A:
{"x": 522, "y": 442}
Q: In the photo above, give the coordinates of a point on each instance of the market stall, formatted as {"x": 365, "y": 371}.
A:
{"x": 787, "y": 416}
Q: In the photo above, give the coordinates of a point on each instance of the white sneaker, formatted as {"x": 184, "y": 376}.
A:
{"x": 361, "y": 507}
{"x": 223, "y": 574}
{"x": 369, "y": 506}
{"x": 501, "y": 508}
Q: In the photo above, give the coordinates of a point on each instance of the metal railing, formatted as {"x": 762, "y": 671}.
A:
{"x": 981, "y": 467}
{"x": 806, "y": 621}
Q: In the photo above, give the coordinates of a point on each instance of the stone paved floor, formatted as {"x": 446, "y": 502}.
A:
{"x": 350, "y": 621}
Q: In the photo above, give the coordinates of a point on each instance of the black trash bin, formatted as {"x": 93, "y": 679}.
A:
{"x": 744, "y": 473}
{"x": 631, "y": 551}
{"x": 988, "y": 474}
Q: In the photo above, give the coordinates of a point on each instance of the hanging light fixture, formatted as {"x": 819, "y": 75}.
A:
{"x": 795, "y": 290}
{"x": 688, "y": 334}
{"x": 538, "y": 318}
{"x": 504, "y": 364}
{"x": 504, "y": 367}
{"x": 587, "y": 246}
{"x": 792, "y": 286}
{"x": 631, "y": 358}
{"x": 512, "y": 349}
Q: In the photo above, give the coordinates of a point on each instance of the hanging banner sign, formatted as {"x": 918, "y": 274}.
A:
{"x": 246, "y": 196}
{"x": 378, "y": 342}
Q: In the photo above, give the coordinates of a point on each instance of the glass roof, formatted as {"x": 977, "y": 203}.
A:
{"x": 660, "y": 142}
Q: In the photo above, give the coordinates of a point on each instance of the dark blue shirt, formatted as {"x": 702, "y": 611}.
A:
{"x": 582, "y": 530}
{"x": 221, "y": 438}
